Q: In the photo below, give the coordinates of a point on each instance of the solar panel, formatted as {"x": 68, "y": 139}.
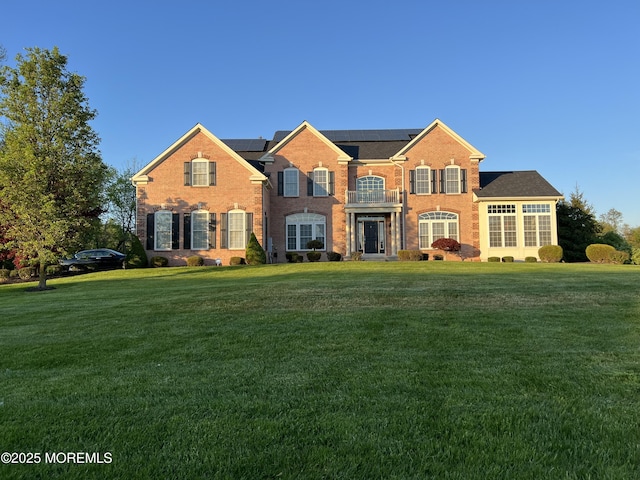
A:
{"x": 246, "y": 144}
{"x": 388, "y": 135}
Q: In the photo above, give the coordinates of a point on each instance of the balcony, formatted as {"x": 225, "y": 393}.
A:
{"x": 373, "y": 198}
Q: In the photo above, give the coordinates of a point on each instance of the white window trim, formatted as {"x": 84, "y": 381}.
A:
{"x": 292, "y": 191}
{"x": 206, "y": 229}
{"x": 321, "y": 189}
{"x": 458, "y": 181}
{"x": 426, "y": 182}
{"x": 156, "y": 223}
{"x": 298, "y": 219}
{"x": 243, "y": 230}
{"x": 446, "y": 218}
{"x": 200, "y": 161}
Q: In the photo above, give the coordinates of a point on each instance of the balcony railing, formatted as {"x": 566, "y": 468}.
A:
{"x": 367, "y": 197}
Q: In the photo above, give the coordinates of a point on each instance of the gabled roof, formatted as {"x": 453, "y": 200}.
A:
{"x": 474, "y": 153}
{"x": 527, "y": 183}
{"x": 142, "y": 175}
{"x": 269, "y": 156}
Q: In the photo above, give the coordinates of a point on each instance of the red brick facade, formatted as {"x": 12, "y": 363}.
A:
{"x": 306, "y": 186}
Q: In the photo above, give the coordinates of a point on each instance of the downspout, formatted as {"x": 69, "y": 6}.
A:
{"x": 404, "y": 223}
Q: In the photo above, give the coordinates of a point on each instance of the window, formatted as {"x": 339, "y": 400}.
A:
{"x": 502, "y": 226}
{"x": 302, "y": 227}
{"x": 163, "y": 234}
{"x": 199, "y": 173}
{"x": 435, "y": 225}
{"x": 422, "y": 180}
{"x": 320, "y": 182}
{"x": 200, "y": 230}
{"x": 370, "y": 189}
{"x": 537, "y": 224}
{"x": 452, "y": 180}
{"x": 291, "y": 188}
{"x": 236, "y": 229}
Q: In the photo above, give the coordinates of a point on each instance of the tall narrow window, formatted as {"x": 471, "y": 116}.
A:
{"x": 200, "y": 230}
{"x": 236, "y": 229}
{"x": 291, "y": 182}
{"x": 163, "y": 233}
{"x": 422, "y": 180}
{"x": 452, "y": 179}
{"x": 320, "y": 182}
{"x": 502, "y": 225}
{"x": 537, "y": 224}
{"x": 200, "y": 173}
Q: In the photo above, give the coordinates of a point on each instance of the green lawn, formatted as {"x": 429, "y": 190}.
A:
{"x": 350, "y": 370}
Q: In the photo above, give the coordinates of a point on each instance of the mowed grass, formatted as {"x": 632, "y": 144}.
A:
{"x": 351, "y": 370}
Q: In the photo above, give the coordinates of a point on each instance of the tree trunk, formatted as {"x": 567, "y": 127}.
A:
{"x": 42, "y": 283}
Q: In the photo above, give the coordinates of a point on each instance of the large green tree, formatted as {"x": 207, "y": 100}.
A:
{"x": 51, "y": 172}
{"x": 577, "y": 227}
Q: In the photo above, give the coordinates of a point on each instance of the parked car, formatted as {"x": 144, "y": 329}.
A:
{"x": 98, "y": 259}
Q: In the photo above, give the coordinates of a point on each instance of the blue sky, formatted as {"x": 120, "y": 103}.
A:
{"x": 547, "y": 85}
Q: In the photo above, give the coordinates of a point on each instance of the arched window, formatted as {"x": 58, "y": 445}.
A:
{"x": 302, "y": 227}
{"x": 370, "y": 189}
{"x": 435, "y": 225}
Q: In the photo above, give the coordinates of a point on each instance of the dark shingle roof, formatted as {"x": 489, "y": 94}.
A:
{"x": 527, "y": 183}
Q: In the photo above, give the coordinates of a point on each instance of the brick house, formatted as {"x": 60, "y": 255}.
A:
{"x": 370, "y": 191}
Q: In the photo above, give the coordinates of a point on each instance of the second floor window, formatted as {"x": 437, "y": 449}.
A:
{"x": 199, "y": 173}
{"x": 290, "y": 182}
{"x": 320, "y": 182}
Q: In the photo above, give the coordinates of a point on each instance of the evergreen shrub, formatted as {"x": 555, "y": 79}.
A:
{"x": 599, "y": 252}
{"x": 237, "y": 261}
{"x": 550, "y": 253}
{"x": 619, "y": 257}
{"x": 254, "y": 252}
{"x": 530, "y": 260}
{"x": 314, "y": 256}
{"x": 195, "y": 261}
{"x": 158, "y": 261}
{"x": 493, "y": 259}
{"x": 409, "y": 255}
{"x": 334, "y": 256}
{"x": 136, "y": 255}
{"x": 507, "y": 259}
{"x": 356, "y": 256}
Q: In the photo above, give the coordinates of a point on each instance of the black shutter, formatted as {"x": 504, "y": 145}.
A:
{"x": 175, "y": 231}
{"x": 249, "y": 223}
{"x": 151, "y": 227}
{"x": 280, "y": 184}
{"x": 434, "y": 181}
{"x": 442, "y": 182}
{"x": 463, "y": 180}
{"x": 212, "y": 173}
{"x": 212, "y": 230}
{"x": 187, "y": 174}
{"x": 412, "y": 181}
{"x": 223, "y": 230}
{"x": 332, "y": 183}
{"x": 186, "y": 222}
{"x": 310, "y": 184}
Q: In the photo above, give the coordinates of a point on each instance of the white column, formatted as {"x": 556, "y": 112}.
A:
{"x": 394, "y": 235}
{"x": 348, "y": 236}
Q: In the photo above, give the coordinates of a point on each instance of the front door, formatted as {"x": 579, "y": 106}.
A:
{"x": 370, "y": 237}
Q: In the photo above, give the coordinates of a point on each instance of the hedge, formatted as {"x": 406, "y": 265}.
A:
{"x": 550, "y": 253}
{"x": 599, "y": 252}
{"x": 409, "y": 255}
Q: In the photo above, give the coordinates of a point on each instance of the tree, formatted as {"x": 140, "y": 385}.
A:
{"x": 577, "y": 227}
{"x": 51, "y": 173}
{"x": 254, "y": 252}
{"x": 612, "y": 221}
{"x": 121, "y": 200}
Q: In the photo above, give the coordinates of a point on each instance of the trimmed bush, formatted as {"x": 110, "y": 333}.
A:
{"x": 4, "y": 275}
{"x": 25, "y": 273}
{"x": 446, "y": 244}
{"x": 334, "y": 256}
{"x": 314, "y": 256}
{"x": 254, "y": 252}
{"x": 315, "y": 244}
{"x": 53, "y": 270}
{"x": 438, "y": 257}
{"x": 293, "y": 257}
{"x": 409, "y": 255}
{"x": 237, "y": 261}
{"x": 158, "y": 261}
{"x": 619, "y": 257}
{"x": 356, "y": 256}
{"x": 530, "y": 260}
{"x": 599, "y": 252}
{"x": 507, "y": 259}
{"x": 493, "y": 259}
{"x": 195, "y": 261}
{"x": 550, "y": 253}
{"x": 136, "y": 255}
